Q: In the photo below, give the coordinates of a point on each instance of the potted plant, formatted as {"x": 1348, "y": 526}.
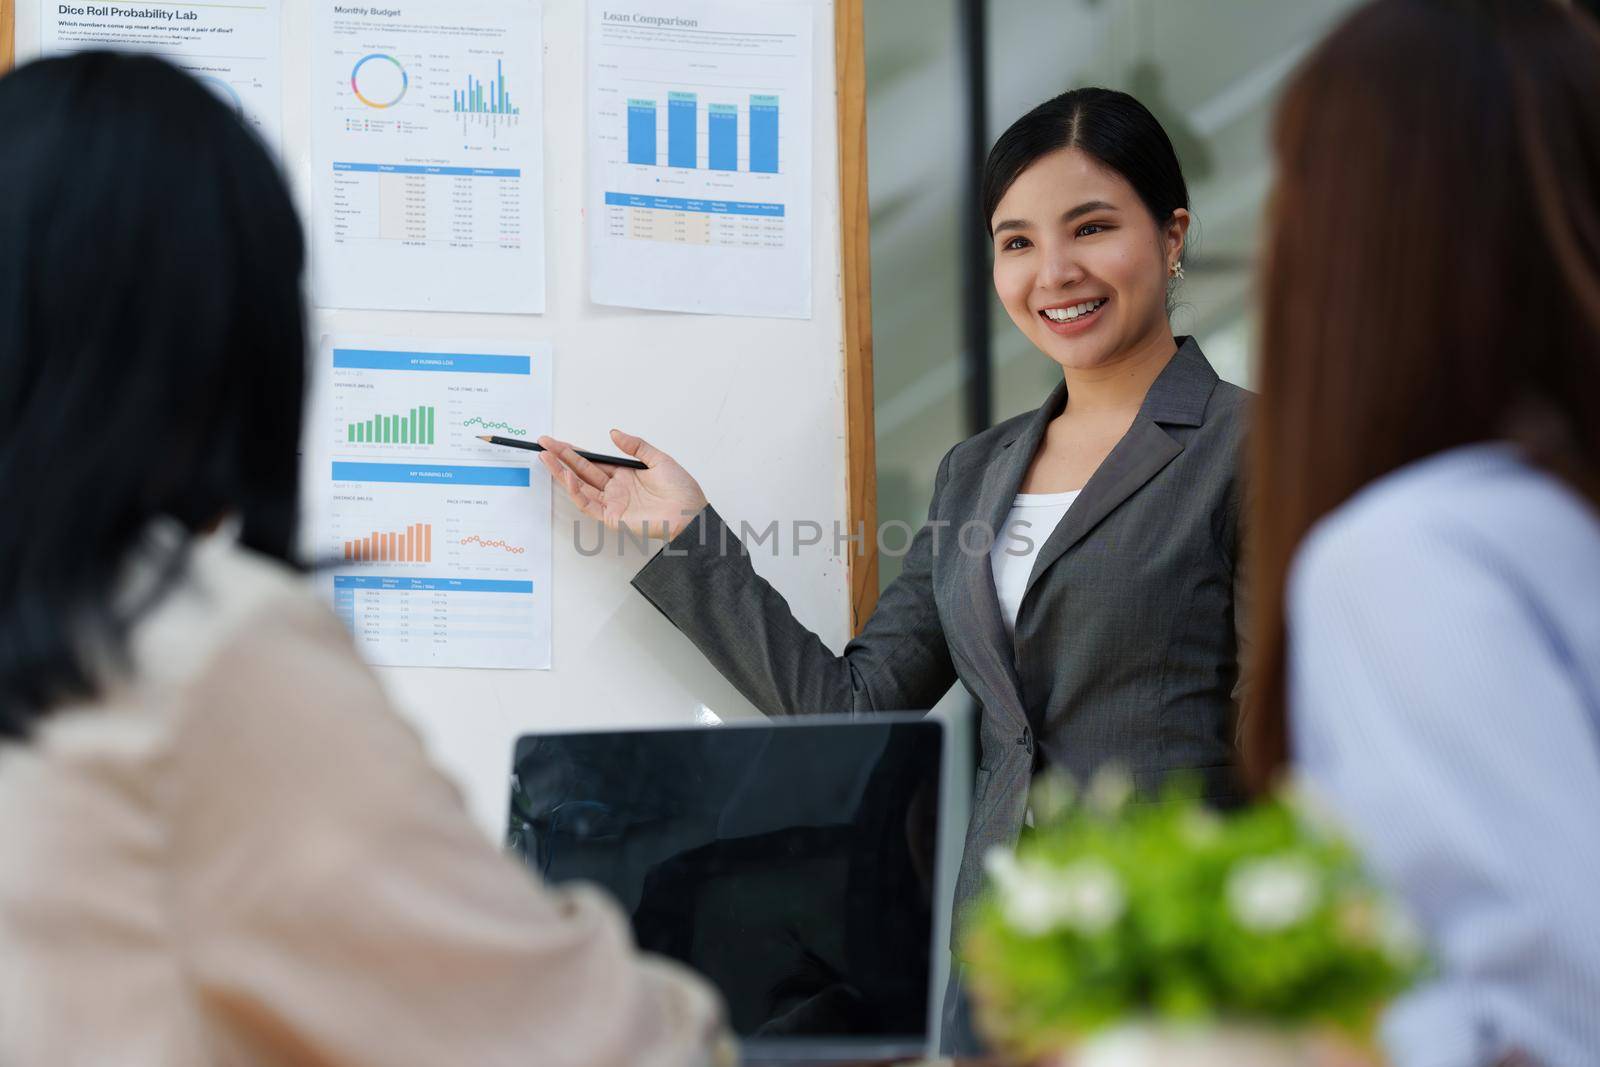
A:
{"x": 1126, "y": 934}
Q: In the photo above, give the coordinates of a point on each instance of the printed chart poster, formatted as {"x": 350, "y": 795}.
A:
{"x": 232, "y": 48}
{"x": 699, "y": 134}
{"x": 440, "y": 541}
{"x": 427, "y": 155}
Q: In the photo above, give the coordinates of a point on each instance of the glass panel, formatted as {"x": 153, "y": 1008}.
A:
{"x": 915, "y": 108}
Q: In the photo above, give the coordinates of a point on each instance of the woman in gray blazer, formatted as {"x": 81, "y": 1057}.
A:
{"x": 1078, "y": 570}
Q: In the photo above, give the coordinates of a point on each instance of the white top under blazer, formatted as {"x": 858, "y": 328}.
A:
{"x": 1032, "y": 518}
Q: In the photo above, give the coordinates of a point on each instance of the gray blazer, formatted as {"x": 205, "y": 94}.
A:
{"x": 1125, "y": 648}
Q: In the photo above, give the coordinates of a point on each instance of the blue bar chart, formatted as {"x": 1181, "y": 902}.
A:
{"x": 642, "y": 132}
{"x": 711, "y": 142}
{"x": 682, "y": 111}
{"x": 764, "y": 135}
{"x": 480, "y": 99}
{"x": 722, "y": 133}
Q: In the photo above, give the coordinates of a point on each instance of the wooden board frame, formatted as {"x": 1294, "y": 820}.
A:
{"x": 8, "y": 34}
{"x": 861, "y": 448}
{"x": 861, "y": 474}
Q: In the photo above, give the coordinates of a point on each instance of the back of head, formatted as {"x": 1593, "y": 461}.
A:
{"x": 1432, "y": 270}
{"x": 152, "y": 349}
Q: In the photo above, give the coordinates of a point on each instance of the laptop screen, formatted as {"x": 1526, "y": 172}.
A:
{"x": 792, "y": 864}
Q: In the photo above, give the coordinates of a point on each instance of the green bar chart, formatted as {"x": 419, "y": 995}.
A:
{"x": 414, "y": 427}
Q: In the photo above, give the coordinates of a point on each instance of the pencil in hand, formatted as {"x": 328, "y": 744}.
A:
{"x": 592, "y": 457}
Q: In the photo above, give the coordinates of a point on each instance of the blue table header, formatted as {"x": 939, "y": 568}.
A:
{"x": 708, "y": 207}
{"x": 455, "y": 362}
{"x": 409, "y": 168}
{"x": 447, "y": 585}
{"x": 423, "y": 473}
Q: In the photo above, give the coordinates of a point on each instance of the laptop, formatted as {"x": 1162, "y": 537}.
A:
{"x": 794, "y": 864}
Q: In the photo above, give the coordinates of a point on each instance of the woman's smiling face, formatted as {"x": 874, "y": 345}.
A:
{"x": 1080, "y": 264}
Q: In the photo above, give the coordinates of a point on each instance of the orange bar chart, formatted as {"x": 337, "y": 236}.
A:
{"x": 414, "y": 544}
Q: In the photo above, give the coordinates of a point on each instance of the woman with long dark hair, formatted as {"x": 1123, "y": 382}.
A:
{"x": 1426, "y": 471}
{"x": 1077, "y": 572}
{"x": 218, "y": 844}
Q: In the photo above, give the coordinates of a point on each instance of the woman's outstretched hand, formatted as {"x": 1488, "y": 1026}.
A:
{"x": 658, "y": 502}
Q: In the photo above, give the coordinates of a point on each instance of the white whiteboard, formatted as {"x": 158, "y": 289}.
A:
{"x": 754, "y": 408}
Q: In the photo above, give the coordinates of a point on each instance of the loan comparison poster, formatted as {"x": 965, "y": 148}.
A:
{"x": 427, "y": 156}
{"x": 700, "y": 156}
{"x": 435, "y": 544}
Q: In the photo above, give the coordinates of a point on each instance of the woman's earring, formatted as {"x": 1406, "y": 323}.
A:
{"x": 1176, "y": 271}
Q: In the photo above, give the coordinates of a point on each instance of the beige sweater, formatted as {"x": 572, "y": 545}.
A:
{"x": 240, "y": 855}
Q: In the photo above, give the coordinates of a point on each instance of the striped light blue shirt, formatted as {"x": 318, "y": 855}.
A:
{"x": 1444, "y": 681}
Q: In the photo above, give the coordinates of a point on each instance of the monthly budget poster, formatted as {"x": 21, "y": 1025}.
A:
{"x": 700, "y": 151}
{"x": 438, "y": 543}
{"x": 427, "y": 155}
{"x": 232, "y": 48}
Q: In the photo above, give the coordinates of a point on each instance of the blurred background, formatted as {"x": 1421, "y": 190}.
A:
{"x": 944, "y": 79}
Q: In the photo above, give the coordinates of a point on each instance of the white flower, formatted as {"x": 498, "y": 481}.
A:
{"x": 1026, "y": 897}
{"x": 1109, "y": 789}
{"x": 1052, "y": 796}
{"x": 1036, "y": 898}
{"x": 1274, "y": 893}
{"x": 1093, "y": 897}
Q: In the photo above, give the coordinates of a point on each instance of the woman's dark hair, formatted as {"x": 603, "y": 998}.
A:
{"x": 152, "y": 352}
{"x": 1431, "y": 275}
{"x": 1111, "y": 126}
